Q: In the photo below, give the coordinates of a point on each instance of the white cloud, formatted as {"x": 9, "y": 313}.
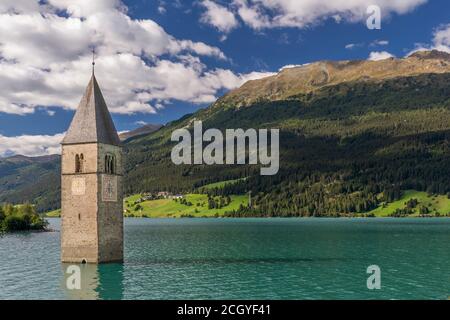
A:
{"x": 162, "y": 7}
{"x": 85, "y": 8}
{"x": 380, "y": 55}
{"x": 379, "y": 43}
{"x": 441, "y": 41}
{"x": 162, "y": 10}
{"x": 260, "y": 14}
{"x": 19, "y": 6}
{"x": 28, "y": 145}
{"x": 442, "y": 36}
{"x": 45, "y": 58}
{"x": 352, "y": 46}
{"x": 252, "y": 15}
{"x": 375, "y": 43}
{"x": 290, "y": 66}
{"x": 218, "y": 16}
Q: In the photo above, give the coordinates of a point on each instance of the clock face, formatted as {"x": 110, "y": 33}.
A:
{"x": 78, "y": 187}
{"x": 109, "y": 188}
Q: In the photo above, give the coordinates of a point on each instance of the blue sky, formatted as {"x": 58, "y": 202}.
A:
{"x": 235, "y": 46}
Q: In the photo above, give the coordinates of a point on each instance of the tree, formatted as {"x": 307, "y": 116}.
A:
{"x": 412, "y": 203}
{"x": 9, "y": 209}
{"x": 424, "y": 210}
{"x": 211, "y": 203}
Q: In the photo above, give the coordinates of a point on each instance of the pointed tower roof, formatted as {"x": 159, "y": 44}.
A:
{"x": 92, "y": 122}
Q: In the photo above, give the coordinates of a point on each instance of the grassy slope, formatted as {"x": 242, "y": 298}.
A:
{"x": 440, "y": 204}
{"x": 53, "y": 214}
{"x": 170, "y": 208}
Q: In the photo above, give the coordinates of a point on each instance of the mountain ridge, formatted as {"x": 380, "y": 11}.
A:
{"x": 143, "y": 130}
{"x": 311, "y": 77}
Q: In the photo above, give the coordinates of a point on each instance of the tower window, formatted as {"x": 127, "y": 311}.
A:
{"x": 79, "y": 160}
{"x": 110, "y": 164}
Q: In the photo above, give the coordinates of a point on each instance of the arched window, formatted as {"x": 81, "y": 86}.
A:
{"x": 110, "y": 164}
{"x": 79, "y": 161}
{"x": 77, "y": 164}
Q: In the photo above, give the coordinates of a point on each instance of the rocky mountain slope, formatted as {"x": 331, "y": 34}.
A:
{"x": 309, "y": 78}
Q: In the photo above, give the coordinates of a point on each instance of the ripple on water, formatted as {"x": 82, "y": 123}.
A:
{"x": 243, "y": 259}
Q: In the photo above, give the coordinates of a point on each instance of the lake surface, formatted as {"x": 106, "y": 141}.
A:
{"x": 242, "y": 259}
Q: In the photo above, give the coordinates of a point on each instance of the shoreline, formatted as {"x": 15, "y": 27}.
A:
{"x": 30, "y": 230}
{"x": 263, "y": 217}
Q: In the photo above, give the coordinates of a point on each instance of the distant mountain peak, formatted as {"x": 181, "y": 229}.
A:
{"x": 430, "y": 54}
{"x": 145, "y": 129}
{"x": 310, "y": 77}
{"x": 37, "y": 159}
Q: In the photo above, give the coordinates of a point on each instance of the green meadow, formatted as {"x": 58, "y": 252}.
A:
{"x": 197, "y": 206}
{"x": 436, "y": 204}
{"x": 53, "y": 214}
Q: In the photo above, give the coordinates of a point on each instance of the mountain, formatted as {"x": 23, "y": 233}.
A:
{"x": 314, "y": 77}
{"x": 145, "y": 129}
{"x": 31, "y": 179}
{"x": 353, "y": 135}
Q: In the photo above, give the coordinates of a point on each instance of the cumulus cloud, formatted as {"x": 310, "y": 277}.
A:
{"x": 28, "y": 145}
{"x": 441, "y": 41}
{"x": 260, "y": 14}
{"x": 442, "y": 36}
{"x": 218, "y": 16}
{"x": 45, "y": 58}
{"x": 380, "y": 55}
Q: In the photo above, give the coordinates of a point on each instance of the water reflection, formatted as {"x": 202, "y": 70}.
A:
{"x": 93, "y": 282}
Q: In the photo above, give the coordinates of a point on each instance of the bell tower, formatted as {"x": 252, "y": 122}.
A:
{"x": 91, "y": 184}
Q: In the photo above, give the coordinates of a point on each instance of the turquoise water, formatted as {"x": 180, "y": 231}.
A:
{"x": 243, "y": 259}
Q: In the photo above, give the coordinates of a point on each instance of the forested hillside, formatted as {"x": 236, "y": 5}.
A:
{"x": 345, "y": 147}
{"x": 34, "y": 180}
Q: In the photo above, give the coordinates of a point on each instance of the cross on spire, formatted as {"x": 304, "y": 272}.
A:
{"x": 93, "y": 60}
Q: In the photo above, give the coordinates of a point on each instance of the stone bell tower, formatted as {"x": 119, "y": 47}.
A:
{"x": 91, "y": 184}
